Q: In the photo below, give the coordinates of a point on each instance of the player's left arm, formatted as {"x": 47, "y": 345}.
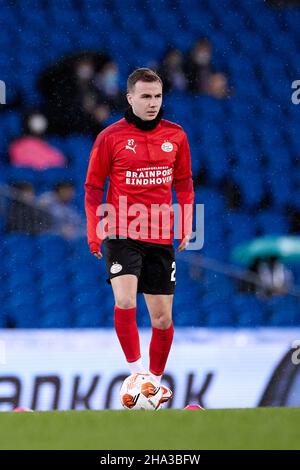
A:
{"x": 184, "y": 189}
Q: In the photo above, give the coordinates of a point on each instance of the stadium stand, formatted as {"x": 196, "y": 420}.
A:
{"x": 252, "y": 137}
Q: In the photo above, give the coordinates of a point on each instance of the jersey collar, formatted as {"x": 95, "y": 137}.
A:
{"x": 139, "y": 123}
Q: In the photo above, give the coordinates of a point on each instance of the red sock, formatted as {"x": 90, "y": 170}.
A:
{"x": 127, "y": 332}
{"x": 160, "y": 346}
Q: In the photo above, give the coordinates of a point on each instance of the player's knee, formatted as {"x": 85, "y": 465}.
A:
{"x": 162, "y": 322}
{"x": 126, "y": 302}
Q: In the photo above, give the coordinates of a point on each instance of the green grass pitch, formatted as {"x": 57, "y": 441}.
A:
{"x": 261, "y": 428}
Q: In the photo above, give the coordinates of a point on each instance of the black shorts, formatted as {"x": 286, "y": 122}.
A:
{"x": 152, "y": 263}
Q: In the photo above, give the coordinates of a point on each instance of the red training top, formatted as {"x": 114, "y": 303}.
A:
{"x": 142, "y": 166}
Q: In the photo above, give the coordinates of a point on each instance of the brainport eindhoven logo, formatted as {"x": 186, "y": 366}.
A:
{"x": 2, "y": 92}
{"x": 152, "y": 222}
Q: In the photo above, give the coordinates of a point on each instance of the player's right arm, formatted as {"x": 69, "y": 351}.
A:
{"x": 98, "y": 171}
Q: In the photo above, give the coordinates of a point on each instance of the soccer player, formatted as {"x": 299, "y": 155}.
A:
{"x": 143, "y": 156}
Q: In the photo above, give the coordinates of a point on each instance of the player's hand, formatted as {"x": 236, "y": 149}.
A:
{"x": 97, "y": 254}
{"x": 184, "y": 243}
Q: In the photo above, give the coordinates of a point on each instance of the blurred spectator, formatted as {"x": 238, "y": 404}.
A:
{"x": 59, "y": 203}
{"x": 201, "y": 76}
{"x": 85, "y": 101}
{"x": 80, "y": 91}
{"x": 23, "y": 214}
{"x": 172, "y": 71}
{"x": 107, "y": 82}
{"x": 273, "y": 276}
{"x": 199, "y": 67}
{"x": 217, "y": 86}
{"x": 32, "y": 150}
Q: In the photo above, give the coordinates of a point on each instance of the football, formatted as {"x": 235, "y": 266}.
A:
{"x": 140, "y": 392}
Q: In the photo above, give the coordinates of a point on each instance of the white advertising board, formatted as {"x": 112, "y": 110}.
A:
{"x": 80, "y": 369}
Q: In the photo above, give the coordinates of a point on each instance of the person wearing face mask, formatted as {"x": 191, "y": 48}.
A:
{"x": 87, "y": 103}
{"x": 107, "y": 82}
{"x": 172, "y": 71}
{"x": 199, "y": 67}
{"x": 84, "y": 71}
{"x": 23, "y": 214}
{"x": 70, "y": 85}
{"x": 66, "y": 219}
{"x": 31, "y": 150}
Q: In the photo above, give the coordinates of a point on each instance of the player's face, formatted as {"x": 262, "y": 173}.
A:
{"x": 146, "y": 99}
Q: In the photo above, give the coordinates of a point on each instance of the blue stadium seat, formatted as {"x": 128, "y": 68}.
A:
{"x": 249, "y": 311}
{"x": 58, "y": 315}
{"x": 219, "y": 314}
{"x": 92, "y": 308}
{"x": 240, "y": 228}
{"x": 271, "y": 223}
{"x": 285, "y": 311}
{"x": 24, "y": 316}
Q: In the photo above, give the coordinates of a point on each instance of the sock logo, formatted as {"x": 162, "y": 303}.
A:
{"x": 116, "y": 267}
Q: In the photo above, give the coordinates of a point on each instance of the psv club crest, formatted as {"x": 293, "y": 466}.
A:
{"x": 167, "y": 146}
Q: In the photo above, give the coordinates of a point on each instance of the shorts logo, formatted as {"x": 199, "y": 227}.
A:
{"x": 167, "y": 147}
{"x": 116, "y": 268}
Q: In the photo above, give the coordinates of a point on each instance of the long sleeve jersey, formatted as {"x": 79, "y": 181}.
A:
{"x": 142, "y": 166}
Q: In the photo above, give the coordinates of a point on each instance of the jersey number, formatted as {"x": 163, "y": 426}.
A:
{"x": 173, "y": 272}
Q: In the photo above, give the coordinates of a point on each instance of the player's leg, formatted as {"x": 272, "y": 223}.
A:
{"x": 125, "y": 290}
{"x": 123, "y": 263}
{"x": 160, "y": 310}
{"x": 157, "y": 282}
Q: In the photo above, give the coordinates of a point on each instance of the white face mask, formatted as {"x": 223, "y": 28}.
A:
{"x": 202, "y": 58}
{"x": 37, "y": 124}
{"x": 85, "y": 71}
{"x": 110, "y": 80}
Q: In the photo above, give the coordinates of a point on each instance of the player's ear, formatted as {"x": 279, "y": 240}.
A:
{"x": 129, "y": 98}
